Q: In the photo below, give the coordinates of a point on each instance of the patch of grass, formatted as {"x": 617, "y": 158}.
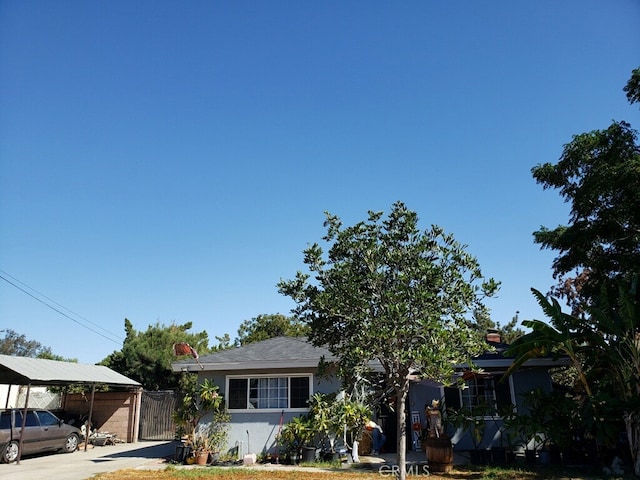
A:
{"x": 328, "y": 470}
{"x": 240, "y": 473}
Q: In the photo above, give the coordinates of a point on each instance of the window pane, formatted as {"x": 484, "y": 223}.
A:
{"x": 452, "y": 398}
{"x": 32, "y": 420}
{"x": 503, "y": 396}
{"x": 5, "y": 420}
{"x": 299, "y": 392}
{"x": 47, "y": 418}
{"x": 268, "y": 392}
{"x": 238, "y": 393}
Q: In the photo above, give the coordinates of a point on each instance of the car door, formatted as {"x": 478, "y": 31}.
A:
{"x": 52, "y": 435}
{"x": 32, "y": 439}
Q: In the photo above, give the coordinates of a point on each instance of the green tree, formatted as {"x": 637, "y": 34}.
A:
{"x": 508, "y": 332}
{"x": 268, "y": 326}
{"x": 632, "y": 88}
{"x": 17, "y": 344}
{"x": 598, "y": 175}
{"x": 564, "y": 335}
{"x": 388, "y": 292}
{"x": 147, "y": 356}
{"x": 603, "y": 346}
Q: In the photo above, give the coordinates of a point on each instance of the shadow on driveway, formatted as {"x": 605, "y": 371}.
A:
{"x": 164, "y": 451}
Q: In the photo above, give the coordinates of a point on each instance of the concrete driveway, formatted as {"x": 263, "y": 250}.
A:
{"x": 82, "y": 465}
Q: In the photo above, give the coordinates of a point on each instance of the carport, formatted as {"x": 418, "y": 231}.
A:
{"x": 40, "y": 372}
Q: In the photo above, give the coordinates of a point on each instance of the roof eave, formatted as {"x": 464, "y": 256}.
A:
{"x": 235, "y": 366}
{"x": 507, "y": 362}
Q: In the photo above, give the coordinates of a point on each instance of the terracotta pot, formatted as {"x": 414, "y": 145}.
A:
{"x": 202, "y": 458}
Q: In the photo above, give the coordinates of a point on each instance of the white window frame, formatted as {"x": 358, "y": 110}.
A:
{"x": 495, "y": 398}
{"x": 470, "y": 392}
{"x": 275, "y": 409}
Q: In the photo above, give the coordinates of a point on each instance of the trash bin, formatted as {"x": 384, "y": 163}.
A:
{"x": 182, "y": 453}
{"x": 308, "y": 454}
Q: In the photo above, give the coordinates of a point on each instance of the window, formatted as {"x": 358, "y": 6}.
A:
{"x": 263, "y": 392}
{"x": 47, "y": 419}
{"x": 32, "y": 419}
{"x": 480, "y": 391}
{"x": 5, "y": 420}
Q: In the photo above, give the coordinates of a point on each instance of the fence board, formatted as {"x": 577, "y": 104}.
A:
{"x": 156, "y": 409}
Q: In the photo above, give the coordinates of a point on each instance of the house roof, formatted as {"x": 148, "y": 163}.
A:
{"x": 37, "y": 371}
{"x": 496, "y": 358}
{"x": 277, "y": 352}
{"x": 287, "y": 352}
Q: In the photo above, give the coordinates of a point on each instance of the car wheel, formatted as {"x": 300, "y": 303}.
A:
{"x": 10, "y": 452}
{"x": 71, "y": 443}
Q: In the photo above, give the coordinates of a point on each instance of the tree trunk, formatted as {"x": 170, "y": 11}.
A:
{"x": 401, "y": 431}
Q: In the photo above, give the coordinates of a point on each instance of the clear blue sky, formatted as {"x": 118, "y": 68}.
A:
{"x": 169, "y": 161}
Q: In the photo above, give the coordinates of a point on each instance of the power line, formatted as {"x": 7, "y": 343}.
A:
{"x": 56, "y": 309}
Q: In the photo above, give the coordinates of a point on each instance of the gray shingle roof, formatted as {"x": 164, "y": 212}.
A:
{"x": 277, "y": 352}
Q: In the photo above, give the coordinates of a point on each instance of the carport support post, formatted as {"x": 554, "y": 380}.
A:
{"x": 88, "y": 429}
{"x": 6, "y": 403}
{"x": 24, "y": 423}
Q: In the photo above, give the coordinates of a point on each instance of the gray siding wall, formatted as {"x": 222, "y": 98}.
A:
{"x": 523, "y": 381}
{"x": 256, "y": 432}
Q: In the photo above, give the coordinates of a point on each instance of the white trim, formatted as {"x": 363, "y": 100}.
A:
{"x": 512, "y": 394}
{"x": 288, "y": 376}
{"x": 243, "y": 365}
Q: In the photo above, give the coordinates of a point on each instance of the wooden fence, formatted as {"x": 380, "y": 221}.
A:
{"x": 156, "y": 409}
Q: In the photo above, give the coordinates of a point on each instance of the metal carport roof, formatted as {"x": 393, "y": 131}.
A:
{"x": 38, "y": 371}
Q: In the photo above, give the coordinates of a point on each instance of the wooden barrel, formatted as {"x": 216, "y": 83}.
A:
{"x": 439, "y": 454}
{"x": 365, "y": 444}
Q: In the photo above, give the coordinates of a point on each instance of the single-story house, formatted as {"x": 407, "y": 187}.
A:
{"x": 267, "y": 383}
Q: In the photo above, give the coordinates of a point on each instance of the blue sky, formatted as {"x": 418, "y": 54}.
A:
{"x": 169, "y": 161}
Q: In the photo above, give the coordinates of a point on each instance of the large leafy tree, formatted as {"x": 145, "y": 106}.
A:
{"x": 269, "y": 326}
{"x": 603, "y": 346}
{"x": 18, "y": 345}
{"x": 508, "y": 332}
{"x": 598, "y": 174}
{"x": 147, "y": 356}
{"x": 389, "y": 292}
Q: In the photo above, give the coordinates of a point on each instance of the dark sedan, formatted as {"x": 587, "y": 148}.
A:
{"x": 43, "y": 432}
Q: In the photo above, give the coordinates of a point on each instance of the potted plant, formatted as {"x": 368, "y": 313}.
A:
{"x": 562, "y": 409}
{"x": 437, "y": 443}
{"x": 201, "y": 447}
{"x": 198, "y": 402}
{"x": 510, "y": 434}
{"x": 325, "y": 415}
{"x": 337, "y": 416}
{"x": 499, "y": 452}
{"x": 529, "y": 430}
{"x": 535, "y": 424}
{"x": 352, "y": 415}
{"x": 472, "y": 421}
{"x": 295, "y": 439}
